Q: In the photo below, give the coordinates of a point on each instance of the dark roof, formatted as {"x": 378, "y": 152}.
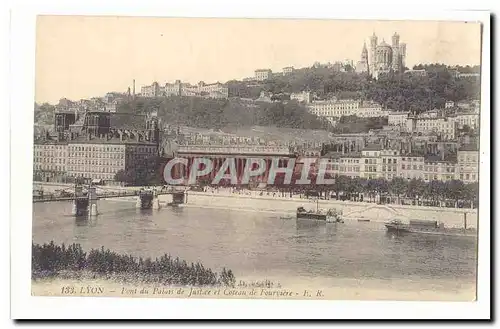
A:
{"x": 469, "y": 147}
{"x": 437, "y": 158}
{"x": 338, "y": 155}
{"x": 49, "y": 142}
{"x": 127, "y": 121}
{"x": 372, "y": 147}
{"x": 84, "y": 140}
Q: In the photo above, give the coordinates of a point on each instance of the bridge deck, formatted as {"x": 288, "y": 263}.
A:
{"x": 53, "y": 198}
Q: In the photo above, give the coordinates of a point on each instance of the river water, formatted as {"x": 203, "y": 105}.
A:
{"x": 262, "y": 245}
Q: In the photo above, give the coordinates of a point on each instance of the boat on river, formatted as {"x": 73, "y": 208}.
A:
{"x": 397, "y": 226}
{"x": 331, "y": 215}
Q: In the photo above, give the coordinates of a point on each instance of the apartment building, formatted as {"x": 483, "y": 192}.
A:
{"x": 442, "y": 126}
{"x": 331, "y": 109}
{"x": 288, "y": 70}
{"x": 468, "y": 164}
{"x": 374, "y": 162}
{"x": 263, "y": 74}
{"x": 49, "y": 160}
{"x": 397, "y": 118}
{"x": 102, "y": 160}
{"x": 304, "y": 96}
{"x": 465, "y": 119}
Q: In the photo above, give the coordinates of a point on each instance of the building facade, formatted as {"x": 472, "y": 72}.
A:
{"x": 49, "y": 160}
{"x": 304, "y": 96}
{"x": 95, "y": 145}
{"x": 444, "y": 127}
{"x": 264, "y": 74}
{"x": 101, "y": 160}
{"x": 468, "y": 164}
{"x": 333, "y": 109}
{"x": 397, "y": 118}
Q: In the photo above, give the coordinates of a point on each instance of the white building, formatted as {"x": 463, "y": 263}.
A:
{"x": 420, "y": 73}
{"x": 466, "y": 119}
{"x": 173, "y": 89}
{"x": 449, "y": 104}
{"x": 332, "y": 109}
{"x": 214, "y": 90}
{"x": 371, "y": 110}
{"x": 468, "y": 164}
{"x": 264, "y": 74}
{"x": 288, "y": 70}
{"x": 304, "y": 96}
{"x": 397, "y": 118}
{"x": 151, "y": 91}
{"x": 429, "y": 114}
{"x": 468, "y": 75}
{"x": 443, "y": 126}
{"x": 371, "y": 162}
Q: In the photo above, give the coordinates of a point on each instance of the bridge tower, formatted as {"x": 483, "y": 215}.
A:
{"x": 93, "y": 201}
{"x": 80, "y": 202}
{"x": 156, "y": 200}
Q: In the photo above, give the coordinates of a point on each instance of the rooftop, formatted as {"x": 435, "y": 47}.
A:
{"x": 372, "y": 147}
{"x": 469, "y": 147}
{"x": 84, "y": 140}
{"x": 127, "y": 121}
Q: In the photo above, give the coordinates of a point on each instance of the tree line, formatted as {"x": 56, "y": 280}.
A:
{"x": 219, "y": 113}
{"x": 49, "y": 260}
{"x": 432, "y": 193}
{"x": 396, "y": 91}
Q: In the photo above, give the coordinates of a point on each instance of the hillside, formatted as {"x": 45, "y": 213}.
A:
{"x": 400, "y": 92}
{"x": 220, "y": 113}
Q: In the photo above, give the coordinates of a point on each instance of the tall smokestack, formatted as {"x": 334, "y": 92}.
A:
{"x": 133, "y": 87}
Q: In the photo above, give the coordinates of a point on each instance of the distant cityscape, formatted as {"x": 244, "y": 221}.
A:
{"x": 92, "y": 139}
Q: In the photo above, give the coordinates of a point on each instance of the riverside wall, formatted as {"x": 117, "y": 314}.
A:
{"x": 451, "y": 217}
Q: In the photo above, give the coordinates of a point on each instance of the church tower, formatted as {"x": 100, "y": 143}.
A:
{"x": 363, "y": 64}
{"x": 396, "y": 62}
{"x": 373, "y": 50}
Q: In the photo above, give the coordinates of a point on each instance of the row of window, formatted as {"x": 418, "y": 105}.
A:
{"x": 97, "y": 162}
{"x": 49, "y": 167}
{"x": 95, "y": 176}
{"x": 93, "y": 169}
{"x": 389, "y": 168}
{"x": 50, "y": 147}
{"x": 49, "y": 160}
{"x": 50, "y": 154}
{"x": 94, "y": 148}
{"x": 97, "y": 155}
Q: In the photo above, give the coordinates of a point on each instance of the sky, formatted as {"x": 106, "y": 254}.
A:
{"x": 86, "y": 56}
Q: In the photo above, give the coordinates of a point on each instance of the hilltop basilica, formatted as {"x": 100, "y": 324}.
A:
{"x": 383, "y": 57}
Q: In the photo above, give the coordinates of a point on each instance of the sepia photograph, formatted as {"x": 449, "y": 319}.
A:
{"x": 256, "y": 158}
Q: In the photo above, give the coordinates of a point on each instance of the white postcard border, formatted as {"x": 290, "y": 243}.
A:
{"x": 22, "y": 97}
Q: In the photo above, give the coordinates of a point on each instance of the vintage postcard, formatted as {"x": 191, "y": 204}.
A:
{"x": 226, "y": 158}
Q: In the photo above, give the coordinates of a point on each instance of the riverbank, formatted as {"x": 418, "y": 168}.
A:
{"x": 451, "y": 217}
{"x": 253, "y": 201}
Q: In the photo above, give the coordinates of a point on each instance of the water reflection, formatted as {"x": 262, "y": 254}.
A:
{"x": 86, "y": 220}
